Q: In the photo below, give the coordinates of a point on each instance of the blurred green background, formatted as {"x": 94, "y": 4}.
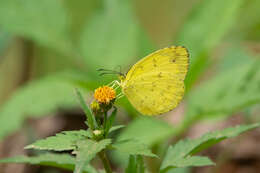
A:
{"x": 48, "y": 48}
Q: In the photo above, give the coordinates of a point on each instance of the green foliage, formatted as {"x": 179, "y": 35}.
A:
{"x": 135, "y": 165}
{"x": 180, "y": 170}
{"x": 90, "y": 116}
{"x": 41, "y": 98}
{"x": 184, "y": 162}
{"x": 64, "y": 161}
{"x": 46, "y": 23}
{"x": 86, "y": 151}
{"x": 133, "y": 147}
{"x": 123, "y": 102}
{"x": 110, "y": 121}
{"x": 61, "y": 142}
{"x": 78, "y": 14}
{"x": 114, "y": 128}
{"x": 180, "y": 155}
{"x": 38, "y": 98}
{"x": 200, "y": 33}
{"x": 4, "y": 40}
{"x": 147, "y": 130}
{"x": 248, "y": 26}
{"x": 101, "y": 40}
{"x": 230, "y": 91}
{"x": 235, "y": 56}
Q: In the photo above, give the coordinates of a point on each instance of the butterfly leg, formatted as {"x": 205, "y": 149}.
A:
{"x": 119, "y": 95}
{"x": 111, "y": 84}
{"x": 114, "y": 84}
{"x": 117, "y": 85}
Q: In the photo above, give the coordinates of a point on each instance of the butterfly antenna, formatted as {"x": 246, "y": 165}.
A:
{"x": 101, "y": 74}
{"x": 120, "y": 71}
{"x": 102, "y": 69}
{"x": 106, "y": 71}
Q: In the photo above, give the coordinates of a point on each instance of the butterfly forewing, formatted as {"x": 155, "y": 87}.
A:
{"x": 155, "y": 84}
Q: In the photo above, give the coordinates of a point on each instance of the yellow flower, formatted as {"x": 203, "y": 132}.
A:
{"x": 105, "y": 94}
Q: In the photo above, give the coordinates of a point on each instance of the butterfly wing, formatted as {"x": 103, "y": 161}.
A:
{"x": 155, "y": 84}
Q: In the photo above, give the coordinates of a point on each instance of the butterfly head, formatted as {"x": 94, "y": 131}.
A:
{"x": 121, "y": 77}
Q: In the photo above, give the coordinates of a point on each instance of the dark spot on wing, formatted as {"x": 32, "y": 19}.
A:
{"x": 160, "y": 75}
{"x": 153, "y": 84}
{"x": 141, "y": 67}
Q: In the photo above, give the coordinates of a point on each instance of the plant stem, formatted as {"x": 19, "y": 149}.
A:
{"x": 105, "y": 161}
{"x": 105, "y": 124}
{"x": 105, "y": 120}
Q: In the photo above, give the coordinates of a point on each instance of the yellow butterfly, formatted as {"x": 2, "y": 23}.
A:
{"x": 155, "y": 84}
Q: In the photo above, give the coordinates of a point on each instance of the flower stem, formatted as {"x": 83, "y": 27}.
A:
{"x": 105, "y": 120}
{"x": 105, "y": 161}
{"x": 105, "y": 125}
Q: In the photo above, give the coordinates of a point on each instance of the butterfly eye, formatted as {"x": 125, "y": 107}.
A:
{"x": 122, "y": 77}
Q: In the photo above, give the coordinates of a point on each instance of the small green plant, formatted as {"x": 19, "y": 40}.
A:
{"x": 96, "y": 141}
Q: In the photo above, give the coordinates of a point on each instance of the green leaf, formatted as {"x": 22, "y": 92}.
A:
{"x": 140, "y": 164}
{"x": 131, "y": 111}
{"x": 61, "y": 142}
{"x": 132, "y": 166}
{"x": 46, "y": 24}
{"x": 79, "y": 12}
{"x": 247, "y": 27}
{"x": 236, "y": 56}
{"x": 135, "y": 165}
{"x": 101, "y": 40}
{"x": 114, "y": 128}
{"x": 225, "y": 93}
{"x": 110, "y": 121}
{"x": 91, "y": 120}
{"x": 180, "y": 170}
{"x": 147, "y": 130}
{"x": 64, "y": 161}
{"x": 133, "y": 147}
{"x": 185, "y": 162}
{"x": 200, "y": 34}
{"x": 86, "y": 151}
{"x": 4, "y": 40}
{"x": 38, "y": 98}
{"x": 180, "y": 155}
